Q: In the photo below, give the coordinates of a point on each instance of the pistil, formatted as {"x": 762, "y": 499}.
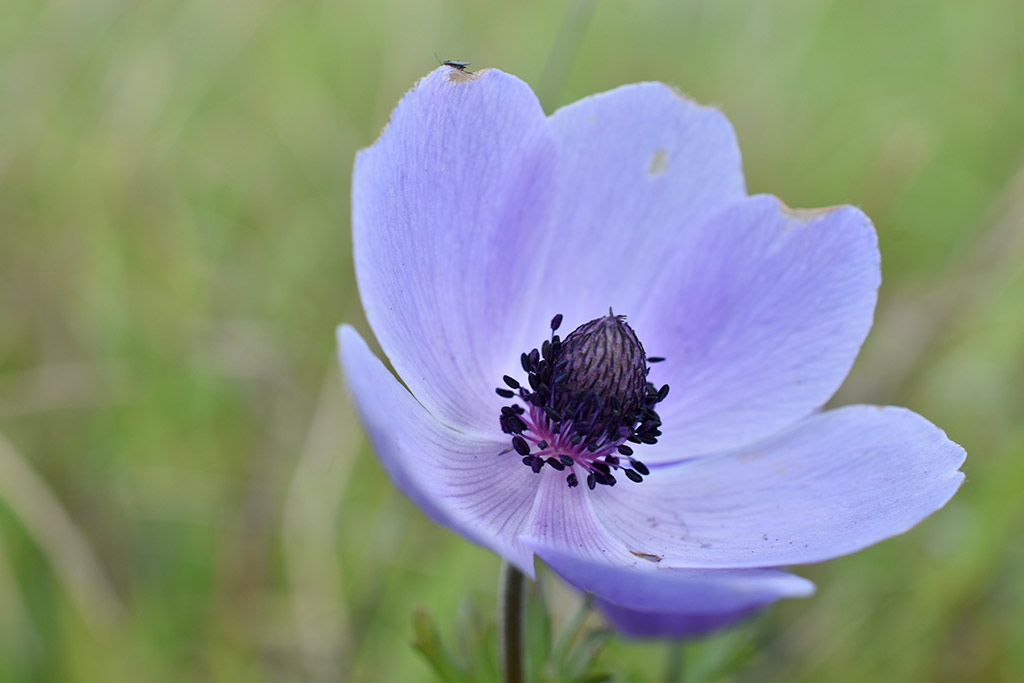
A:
{"x": 584, "y": 398}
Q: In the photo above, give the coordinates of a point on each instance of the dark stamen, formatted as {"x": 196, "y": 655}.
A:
{"x": 582, "y": 398}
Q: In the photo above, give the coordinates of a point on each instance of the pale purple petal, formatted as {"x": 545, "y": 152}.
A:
{"x": 644, "y": 585}
{"x": 835, "y": 483}
{"x": 639, "y": 166}
{"x": 457, "y": 478}
{"x": 637, "y": 624}
{"x": 447, "y": 209}
{"x": 760, "y": 315}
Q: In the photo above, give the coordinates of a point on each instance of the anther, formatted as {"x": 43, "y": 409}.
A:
{"x": 581, "y": 399}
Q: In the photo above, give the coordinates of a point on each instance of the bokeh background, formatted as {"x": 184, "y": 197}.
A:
{"x": 184, "y": 491}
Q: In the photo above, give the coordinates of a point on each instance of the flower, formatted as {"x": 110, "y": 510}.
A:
{"x": 482, "y": 227}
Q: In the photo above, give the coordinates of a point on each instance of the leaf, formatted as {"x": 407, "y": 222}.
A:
{"x": 427, "y": 639}
{"x": 537, "y": 631}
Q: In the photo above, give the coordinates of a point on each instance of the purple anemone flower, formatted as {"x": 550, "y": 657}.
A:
{"x": 484, "y": 230}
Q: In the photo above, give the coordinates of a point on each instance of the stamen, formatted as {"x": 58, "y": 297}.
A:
{"x": 584, "y": 397}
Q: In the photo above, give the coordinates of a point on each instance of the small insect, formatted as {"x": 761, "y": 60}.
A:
{"x": 461, "y": 66}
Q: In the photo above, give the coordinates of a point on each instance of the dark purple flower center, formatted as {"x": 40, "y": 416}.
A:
{"x": 585, "y": 397}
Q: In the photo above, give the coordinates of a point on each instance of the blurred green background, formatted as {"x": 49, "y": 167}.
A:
{"x": 184, "y": 491}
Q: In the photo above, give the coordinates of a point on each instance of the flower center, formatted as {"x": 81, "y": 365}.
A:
{"x": 587, "y": 395}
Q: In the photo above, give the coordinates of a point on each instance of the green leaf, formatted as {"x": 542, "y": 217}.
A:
{"x": 427, "y": 639}
{"x": 537, "y": 626}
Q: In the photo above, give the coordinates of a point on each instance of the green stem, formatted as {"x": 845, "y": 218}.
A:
{"x": 510, "y": 623}
{"x": 675, "y": 667}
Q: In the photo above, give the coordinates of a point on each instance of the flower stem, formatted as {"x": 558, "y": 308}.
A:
{"x": 675, "y": 667}
{"x": 510, "y": 623}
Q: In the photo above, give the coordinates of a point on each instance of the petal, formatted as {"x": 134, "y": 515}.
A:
{"x": 640, "y": 166}
{"x": 637, "y": 624}
{"x": 645, "y": 586}
{"x": 643, "y": 599}
{"x": 760, "y": 316}
{"x": 835, "y": 483}
{"x": 447, "y": 208}
{"x": 457, "y": 478}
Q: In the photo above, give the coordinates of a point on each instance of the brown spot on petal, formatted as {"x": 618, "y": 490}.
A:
{"x": 459, "y": 76}
{"x": 805, "y": 215}
{"x": 659, "y": 162}
{"x": 683, "y": 96}
{"x": 647, "y": 556}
